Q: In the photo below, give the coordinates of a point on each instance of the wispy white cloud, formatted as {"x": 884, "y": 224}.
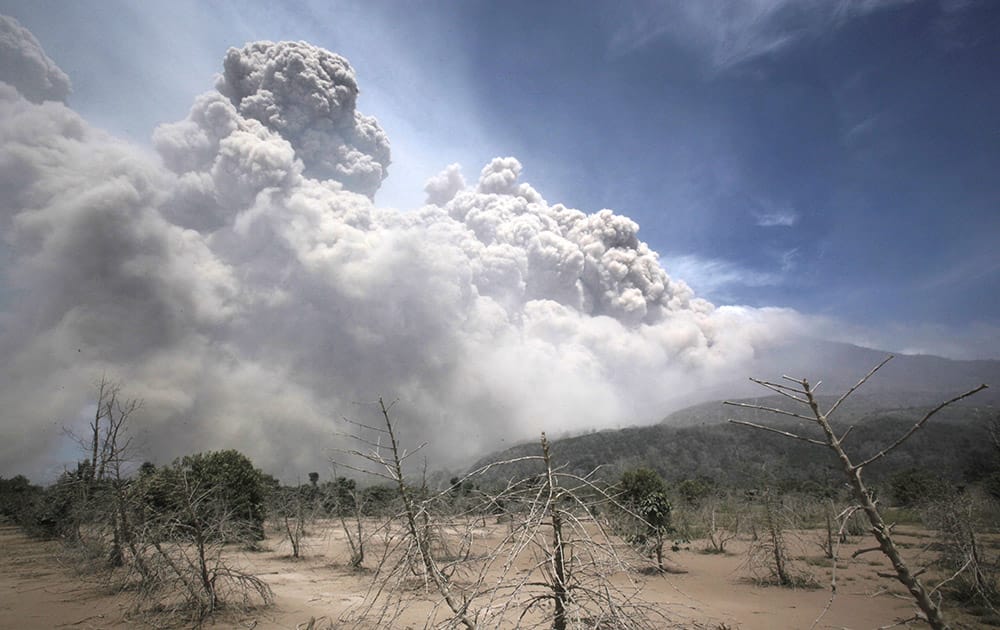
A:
{"x": 777, "y": 218}
{"x": 729, "y": 33}
{"x": 857, "y": 131}
{"x": 948, "y": 30}
{"x": 789, "y": 260}
{"x": 974, "y": 268}
{"x": 714, "y": 276}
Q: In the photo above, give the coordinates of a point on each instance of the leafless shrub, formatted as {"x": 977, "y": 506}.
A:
{"x": 973, "y": 569}
{"x": 97, "y": 494}
{"x": 348, "y": 505}
{"x": 154, "y": 535}
{"x": 831, "y": 535}
{"x": 180, "y": 565}
{"x": 293, "y": 510}
{"x": 722, "y": 521}
{"x": 768, "y": 557}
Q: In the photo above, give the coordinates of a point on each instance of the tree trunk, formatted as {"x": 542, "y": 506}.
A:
{"x": 560, "y": 593}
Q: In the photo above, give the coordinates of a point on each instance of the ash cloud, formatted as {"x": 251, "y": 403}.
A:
{"x": 244, "y": 284}
{"x": 24, "y": 65}
{"x": 307, "y": 95}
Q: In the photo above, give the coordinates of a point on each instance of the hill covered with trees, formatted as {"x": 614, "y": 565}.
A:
{"x": 698, "y": 442}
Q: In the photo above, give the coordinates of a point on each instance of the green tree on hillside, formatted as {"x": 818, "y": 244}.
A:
{"x": 914, "y": 487}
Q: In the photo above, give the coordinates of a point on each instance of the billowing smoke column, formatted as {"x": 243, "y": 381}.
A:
{"x": 307, "y": 95}
{"x": 245, "y": 286}
{"x": 25, "y": 65}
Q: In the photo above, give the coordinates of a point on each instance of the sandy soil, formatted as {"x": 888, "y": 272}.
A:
{"x": 41, "y": 590}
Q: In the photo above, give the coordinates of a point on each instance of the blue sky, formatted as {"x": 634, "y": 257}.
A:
{"x": 838, "y": 158}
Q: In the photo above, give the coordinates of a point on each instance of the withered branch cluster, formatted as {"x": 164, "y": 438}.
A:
{"x": 803, "y": 394}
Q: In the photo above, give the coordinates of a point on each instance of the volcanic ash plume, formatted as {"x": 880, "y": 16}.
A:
{"x": 24, "y": 65}
{"x": 247, "y": 288}
{"x": 307, "y": 95}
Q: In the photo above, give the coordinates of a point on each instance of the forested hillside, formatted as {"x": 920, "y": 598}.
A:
{"x": 698, "y": 442}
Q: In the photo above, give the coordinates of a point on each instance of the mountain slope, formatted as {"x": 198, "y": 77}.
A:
{"x": 955, "y": 443}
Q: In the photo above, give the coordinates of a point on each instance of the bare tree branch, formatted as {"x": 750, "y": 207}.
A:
{"x": 365, "y": 426}
{"x": 858, "y": 384}
{"x": 860, "y": 552}
{"x": 778, "y": 431}
{"x": 917, "y": 426}
{"x": 784, "y": 390}
{"x": 780, "y": 412}
{"x": 843, "y": 437}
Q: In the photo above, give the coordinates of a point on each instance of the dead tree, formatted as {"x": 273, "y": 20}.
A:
{"x": 771, "y": 550}
{"x": 187, "y": 544}
{"x": 827, "y": 544}
{"x": 385, "y": 453}
{"x": 579, "y": 558}
{"x": 961, "y": 520}
{"x": 344, "y": 500}
{"x": 294, "y": 510}
{"x": 102, "y": 497}
{"x": 722, "y": 522}
{"x": 116, "y": 447}
{"x": 551, "y": 526}
{"x": 803, "y": 393}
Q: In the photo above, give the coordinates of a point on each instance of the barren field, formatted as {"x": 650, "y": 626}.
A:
{"x": 43, "y": 588}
